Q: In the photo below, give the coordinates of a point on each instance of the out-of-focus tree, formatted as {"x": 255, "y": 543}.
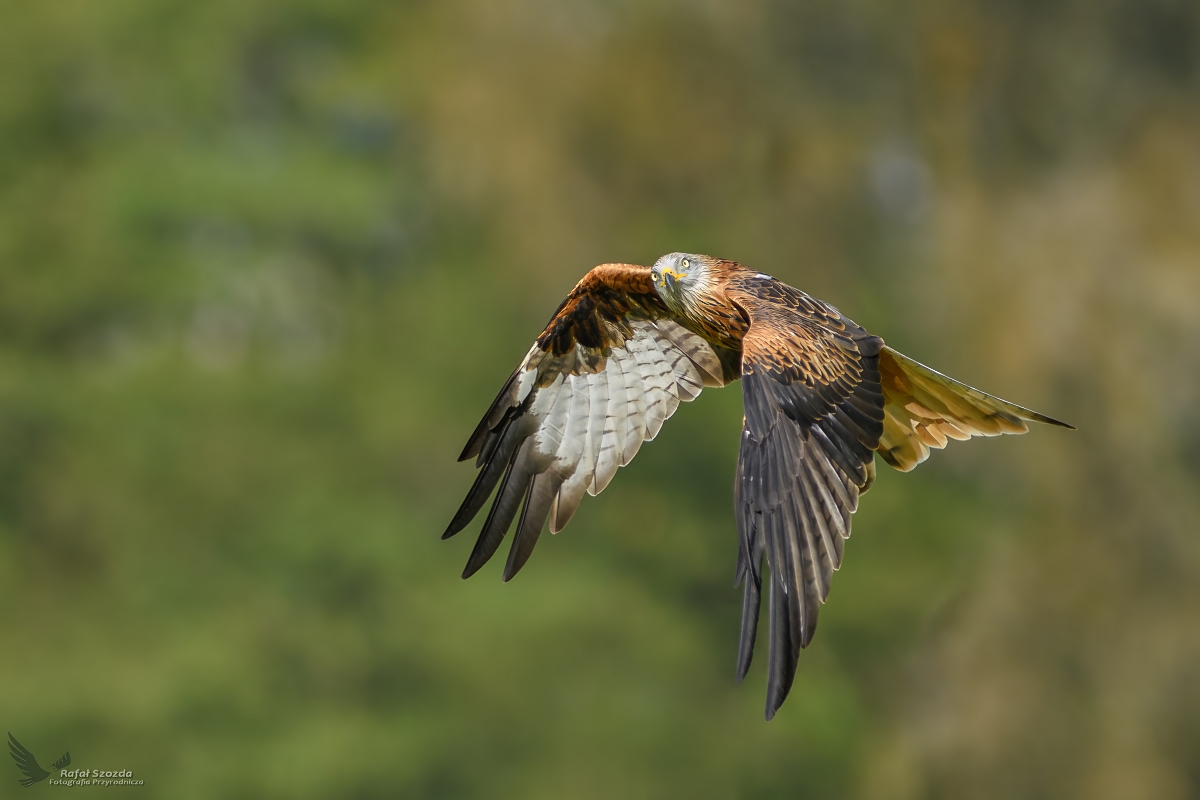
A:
{"x": 262, "y": 265}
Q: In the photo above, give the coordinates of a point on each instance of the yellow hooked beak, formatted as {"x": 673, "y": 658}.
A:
{"x": 670, "y": 276}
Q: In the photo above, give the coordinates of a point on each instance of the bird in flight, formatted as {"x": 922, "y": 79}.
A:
{"x": 29, "y": 766}
{"x": 821, "y": 396}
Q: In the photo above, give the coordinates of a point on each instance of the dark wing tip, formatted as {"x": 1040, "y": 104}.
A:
{"x": 519, "y": 554}
{"x": 538, "y": 499}
{"x": 1053, "y": 421}
{"x": 749, "y": 630}
{"x": 475, "y": 443}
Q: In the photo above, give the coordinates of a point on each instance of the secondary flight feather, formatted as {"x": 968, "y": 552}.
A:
{"x": 822, "y": 396}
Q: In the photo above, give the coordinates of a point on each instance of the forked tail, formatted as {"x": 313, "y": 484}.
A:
{"x": 924, "y": 409}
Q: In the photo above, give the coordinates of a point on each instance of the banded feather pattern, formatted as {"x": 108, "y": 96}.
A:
{"x": 807, "y": 455}
{"x": 569, "y": 417}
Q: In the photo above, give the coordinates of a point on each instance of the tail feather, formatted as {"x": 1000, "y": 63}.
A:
{"x": 923, "y": 409}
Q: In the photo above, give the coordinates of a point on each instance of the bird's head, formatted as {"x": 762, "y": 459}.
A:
{"x": 679, "y": 278}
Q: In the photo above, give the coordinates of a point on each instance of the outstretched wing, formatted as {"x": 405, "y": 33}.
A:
{"x": 923, "y": 409}
{"x": 64, "y": 761}
{"x": 814, "y": 415}
{"x": 610, "y": 367}
{"x": 26, "y": 763}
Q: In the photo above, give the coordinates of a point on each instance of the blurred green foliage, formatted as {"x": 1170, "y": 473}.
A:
{"x": 262, "y": 266}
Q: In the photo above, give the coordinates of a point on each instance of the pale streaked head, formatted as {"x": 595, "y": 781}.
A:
{"x": 679, "y": 277}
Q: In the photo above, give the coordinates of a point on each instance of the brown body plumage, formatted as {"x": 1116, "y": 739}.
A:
{"x": 822, "y": 396}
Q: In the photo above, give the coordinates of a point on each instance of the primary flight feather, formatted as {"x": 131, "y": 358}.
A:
{"x": 821, "y": 396}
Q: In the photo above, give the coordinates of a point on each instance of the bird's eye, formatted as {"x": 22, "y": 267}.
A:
{"x": 684, "y": 263}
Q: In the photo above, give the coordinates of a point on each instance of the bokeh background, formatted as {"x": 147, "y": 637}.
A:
{"x": 264, "y": 264}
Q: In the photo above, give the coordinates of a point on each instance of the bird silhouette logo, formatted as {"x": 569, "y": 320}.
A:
{"x": 28, "y": 764}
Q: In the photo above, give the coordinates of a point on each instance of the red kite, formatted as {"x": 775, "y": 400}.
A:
{"x": 821, "y": 395}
